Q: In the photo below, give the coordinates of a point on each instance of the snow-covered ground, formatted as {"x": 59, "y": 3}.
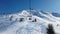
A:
{"x": 26, "y": 22}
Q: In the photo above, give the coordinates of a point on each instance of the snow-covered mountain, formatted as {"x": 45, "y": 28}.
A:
{"x": 29, "y": 22}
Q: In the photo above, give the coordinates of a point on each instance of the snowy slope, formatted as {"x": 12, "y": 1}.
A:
{"x": 26, "y": 22}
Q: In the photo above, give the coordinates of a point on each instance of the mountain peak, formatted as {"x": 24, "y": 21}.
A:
{"x": 25, "y": 13}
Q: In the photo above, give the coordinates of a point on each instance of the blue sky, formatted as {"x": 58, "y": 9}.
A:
{"x": 13, "y": 6}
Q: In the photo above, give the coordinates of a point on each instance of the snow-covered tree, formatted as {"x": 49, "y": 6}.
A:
{"x": 50, "y": 29}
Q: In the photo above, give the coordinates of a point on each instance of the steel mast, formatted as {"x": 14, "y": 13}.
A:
{"x": 30, "y": 5}
{"x": 30, "y": 8}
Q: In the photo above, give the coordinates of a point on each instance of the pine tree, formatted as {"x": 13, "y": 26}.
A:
{"x": 50, "y": 29}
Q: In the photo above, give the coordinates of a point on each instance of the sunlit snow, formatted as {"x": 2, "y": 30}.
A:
{"x": 28, "y": 23}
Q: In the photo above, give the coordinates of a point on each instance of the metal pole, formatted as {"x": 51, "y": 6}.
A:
{"x": 30, "y": 5}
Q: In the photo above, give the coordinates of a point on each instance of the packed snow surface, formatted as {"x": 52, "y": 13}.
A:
{"x": 29, "y": 22}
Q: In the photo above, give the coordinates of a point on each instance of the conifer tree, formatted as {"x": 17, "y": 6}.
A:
{"x": 50, "y": 29}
